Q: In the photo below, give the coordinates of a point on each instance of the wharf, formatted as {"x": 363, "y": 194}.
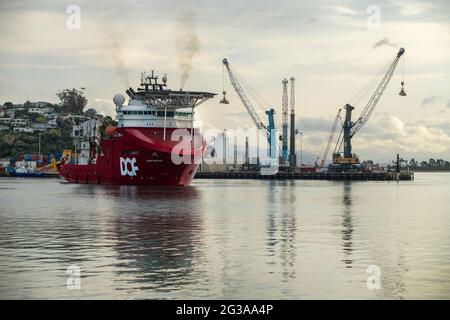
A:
{"x": 352, "y": 176}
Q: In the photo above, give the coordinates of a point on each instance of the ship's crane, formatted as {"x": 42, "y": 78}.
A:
{"x": 350, "y": 128}
{"x": 268, "y": 130}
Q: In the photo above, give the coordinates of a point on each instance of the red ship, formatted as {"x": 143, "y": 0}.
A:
{"x": 154, "y": 143}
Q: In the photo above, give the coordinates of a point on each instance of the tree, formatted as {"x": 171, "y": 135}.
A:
{"x": 413, "y": 163}
{"x": 72, "y": 101}
{"x": 90, "y": 113}
{"x": 8, "y": 105}
{"x": 432, "y": 163}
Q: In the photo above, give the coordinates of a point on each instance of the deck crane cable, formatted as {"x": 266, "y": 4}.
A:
{"x": 223, "y": 78}
{"x": 245, "y": 100}
{"x": 260, "y": 101}
{"x": 402, "y": 82}
{"x": 382, "y": 78}
{"x": 373, "y": 100}
{"x": 364, "y": 91}
{"x": 403, "y": 69}
{"x": 264, "y": 103}
{"x": 366, "y": 88}
{"x": 236, "y": 82}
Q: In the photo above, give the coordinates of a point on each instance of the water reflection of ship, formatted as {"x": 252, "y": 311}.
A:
{"x": 347, "y": 226}
{"x": 158, "y": 240}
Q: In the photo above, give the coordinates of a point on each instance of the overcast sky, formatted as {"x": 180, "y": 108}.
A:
{"x": 332, "y": 48}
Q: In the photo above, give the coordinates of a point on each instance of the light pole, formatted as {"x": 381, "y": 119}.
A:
{"x": 39, "y": 146}
{"x": 301, "y": 149}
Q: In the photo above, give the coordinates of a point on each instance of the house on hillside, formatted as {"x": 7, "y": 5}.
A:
{"x": 40, "y": 104}
{"x": 23, "y": 129}
{"x": 36, "y": 110}
{"x": 19, "y": 122}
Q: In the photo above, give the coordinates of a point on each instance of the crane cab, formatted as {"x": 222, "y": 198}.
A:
{"x": 339, "y": 159}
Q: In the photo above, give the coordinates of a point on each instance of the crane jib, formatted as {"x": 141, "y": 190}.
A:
{"x": 245, "y": 100}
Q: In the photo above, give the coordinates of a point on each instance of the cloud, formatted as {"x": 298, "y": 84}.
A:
{"x": 315, "y": 124}
{"x": 430, "y": 100}
{"x": 382, "y": 137}
{"x": 396, "y": 136}
{"x": 103, "y": 106}
{"x": 382, "y": 43}
{"x": 414, "y": 8}
{"x": 343, "y": 9}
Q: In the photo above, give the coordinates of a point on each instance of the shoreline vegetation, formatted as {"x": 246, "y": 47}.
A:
{"x": 23, "y": 125}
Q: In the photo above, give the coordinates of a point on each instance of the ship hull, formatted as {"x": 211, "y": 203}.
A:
{"x": 140, "y": 156}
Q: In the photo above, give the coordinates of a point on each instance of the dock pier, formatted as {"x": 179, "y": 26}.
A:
{"x": 349, "y": 176}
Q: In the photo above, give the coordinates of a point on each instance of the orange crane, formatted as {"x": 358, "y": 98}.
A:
{"x": 330, "y": 139}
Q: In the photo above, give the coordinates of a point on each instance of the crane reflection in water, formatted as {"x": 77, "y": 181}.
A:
{"x": 347, "y": 227}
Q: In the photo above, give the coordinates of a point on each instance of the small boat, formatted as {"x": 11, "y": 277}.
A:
{"x": 24, "y": 172}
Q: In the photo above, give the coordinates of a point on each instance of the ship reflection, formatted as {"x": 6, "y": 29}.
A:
{"x": 347, "y": 226}
{"x": 158, "y": 236}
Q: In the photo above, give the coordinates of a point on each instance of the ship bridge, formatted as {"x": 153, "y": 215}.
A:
{"x": 154, "y": 105}
{"x": 156, "y": 94}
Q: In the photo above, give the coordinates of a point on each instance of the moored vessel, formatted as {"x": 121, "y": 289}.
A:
{"x": 155, "y": 142}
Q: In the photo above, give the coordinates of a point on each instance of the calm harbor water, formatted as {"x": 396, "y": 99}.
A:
{"x": 226, "y": 239}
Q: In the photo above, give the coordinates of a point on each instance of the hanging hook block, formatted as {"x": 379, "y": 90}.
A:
{"x": 402, "y": 91}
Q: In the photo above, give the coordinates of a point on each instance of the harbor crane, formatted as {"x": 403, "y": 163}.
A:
{"x": 268, "y": 129}
{"x": 347, "y": 160}
{"x": 284, "y": 122}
